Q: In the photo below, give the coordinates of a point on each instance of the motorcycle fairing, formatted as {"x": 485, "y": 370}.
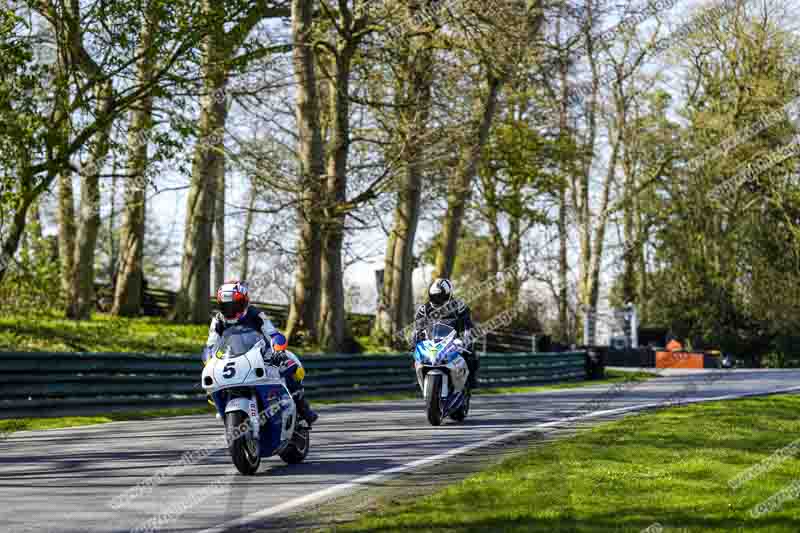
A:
{"x": 278, "y": 418}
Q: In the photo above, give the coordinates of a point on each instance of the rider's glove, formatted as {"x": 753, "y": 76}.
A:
{"x": 278, "y": 342}
{"x": 208, "y": 353}
{"x": 278, "y": 358}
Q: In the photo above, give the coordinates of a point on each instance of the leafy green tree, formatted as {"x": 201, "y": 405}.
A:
{"x": 727, "y": 252}
{"x": 517, "y": 180}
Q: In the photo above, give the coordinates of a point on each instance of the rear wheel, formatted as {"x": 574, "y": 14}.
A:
{"x": 433, "y": 392}
{"x": 296, "y": 451}
{"x": 243, "y": 446}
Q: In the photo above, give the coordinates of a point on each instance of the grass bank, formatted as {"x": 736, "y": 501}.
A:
{"x": 669, "y": 471}
{"x": 26, "y": 424}
{"x": 103, "y": 333}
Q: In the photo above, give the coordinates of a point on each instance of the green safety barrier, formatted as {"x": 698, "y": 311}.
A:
{"x": 55, "y": 384}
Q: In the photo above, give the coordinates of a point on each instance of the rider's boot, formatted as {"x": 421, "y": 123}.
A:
{"x": 304, "y": 410}
{"x": 472, "y": 378}
{"x": 472, "y": 381}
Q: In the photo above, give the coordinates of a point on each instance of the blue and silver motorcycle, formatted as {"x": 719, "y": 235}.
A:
{"x": 442, "y": 374}
{"x": 251, "y": 397}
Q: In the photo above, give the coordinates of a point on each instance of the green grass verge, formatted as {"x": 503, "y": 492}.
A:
{"x": 668, "y": 471}
{"x": 103, "y": 333}
{"x": 24, "y": 424}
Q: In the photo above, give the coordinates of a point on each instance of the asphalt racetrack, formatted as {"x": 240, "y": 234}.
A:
{"x": 129, "y": 476}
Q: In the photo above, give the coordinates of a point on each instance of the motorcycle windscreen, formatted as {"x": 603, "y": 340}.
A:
{"x": 238, "y": 340}
{"x": 439, "y": 332}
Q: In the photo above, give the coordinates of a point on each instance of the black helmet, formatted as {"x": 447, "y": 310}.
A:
{"x": 440, "y": 292}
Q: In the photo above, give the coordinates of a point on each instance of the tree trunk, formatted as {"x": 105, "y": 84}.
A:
{"x": 397, "y": 298}
{"x": 35, "y": 221}
{"x": 633, "y": 244}
{"x": 405, "y": 228}
{"x": 563, "y": 267}
{"x": 494, "y": 266}
{"x": 66, "y": 231}
{"x": 219, "y": 232}
{"x": 305, "y": 301}
{"x": 409, "y": 308}
{"x": 32, "y": 234}
{"x": 81, "y": 296}
{"x": 130, "y": 274}
{"x": 581, "y": 189}
{"x": 113, "y": 250}
{"x": 642, "y": 286}
{"x": 304, "y": 311}
{"x": 602, "y": 222}
{"x": 17, "y": 228}
{"x": 193, "y": 302}
{"x": 384, "y": 326}
{"x": 244, "y": 253}
{"x": 208, "y": 165}
{"x": 66, "y": 197}
{"x": 630, "y": 247}
{"x": 494, "y": 269}
{"x": 641, "y": 229}
{"x": 332, "y": 313}
{"x": 460, "y": 187}
{"x": 511, "y": 253}
{"x": 563, "y": 207}
{"x": 420, "y": 68}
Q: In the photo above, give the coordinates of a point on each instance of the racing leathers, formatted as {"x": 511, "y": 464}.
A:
{"x": 456, "y": 314}
{"x": 290, "y": 367}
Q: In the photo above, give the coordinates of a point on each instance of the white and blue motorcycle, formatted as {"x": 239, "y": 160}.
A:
{"x": 251, "y": 397}
{"x": 442, "y": 374}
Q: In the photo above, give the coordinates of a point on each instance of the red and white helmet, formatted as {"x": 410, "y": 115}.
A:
{"x": 233, "y": 300}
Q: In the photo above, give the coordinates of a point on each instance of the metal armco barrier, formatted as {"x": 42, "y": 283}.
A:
{"x": 57, "y": 384}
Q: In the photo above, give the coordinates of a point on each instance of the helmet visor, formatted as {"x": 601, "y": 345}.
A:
{"x": 232, "y": 310}
{"x": 439, "y": 298}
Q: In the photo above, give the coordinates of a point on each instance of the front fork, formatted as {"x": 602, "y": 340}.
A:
{"x": 421, "y": 376}
{"x": 240, "y": 403}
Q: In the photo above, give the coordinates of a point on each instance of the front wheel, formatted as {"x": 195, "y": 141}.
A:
{"x": 461, "y": 413}
{"x": 243, "y": 447}
{"x": 433, "y": 393}
{"x": 296, "y": 451}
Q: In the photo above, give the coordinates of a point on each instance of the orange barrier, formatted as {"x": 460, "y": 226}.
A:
{"x": 679, "y": 360}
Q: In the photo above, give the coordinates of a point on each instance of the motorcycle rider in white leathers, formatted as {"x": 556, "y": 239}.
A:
{"x": 235, "y": 310}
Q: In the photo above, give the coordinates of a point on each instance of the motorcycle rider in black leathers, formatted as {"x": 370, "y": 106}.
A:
{"x": 234, "y": 303}
{"x": 443, "y": 307}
